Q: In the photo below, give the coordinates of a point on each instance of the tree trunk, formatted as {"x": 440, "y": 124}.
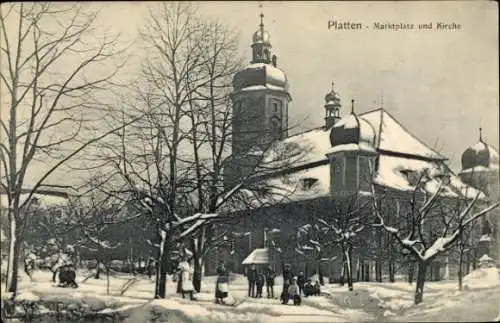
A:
{"x": 15, "y": 263}
{"x": 161, "y": 283}
{"x": 378, "y": 262}
{"x": 460, "y": 264}
{"x": 349, "y": 268}
{"x": 411, "y": 271}
{"x": 14, "y": 250}
{"x": 342, "y": 273}
{"x": 320, "y": 274}
{"x": 197, "y": 272}
{"x": 392, "y": 270}
{"x": 107, "y": 279}
{"x": 358, "y": 269}
{"x": 378, "y": 270}
{"x": 421, "y": 276}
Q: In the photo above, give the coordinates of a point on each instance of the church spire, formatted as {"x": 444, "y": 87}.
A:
{"x": 352, "y": 106}
{"x": 261, "y": 46}
{"x": 481, "y": 134}
{"x": 332, "y": 107}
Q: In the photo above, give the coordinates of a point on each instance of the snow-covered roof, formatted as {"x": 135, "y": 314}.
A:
{"x": 401, "y": 156}
{"x": 392, "y": 173}
{"x": 361, "y": 146}
{"x": 390, "y": 136}
{"x": 259, "y": 256}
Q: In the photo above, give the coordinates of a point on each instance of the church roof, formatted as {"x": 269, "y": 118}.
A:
{"x": 390, "y": 137}
{"x": 400, "y": 153}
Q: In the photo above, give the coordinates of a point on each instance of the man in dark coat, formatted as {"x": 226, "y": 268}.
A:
{"x": 287, "y": 278}
{"x": 67, "y": 276}
{"x": 301, "y": 280}
{"x": 252, "y": 278}
{"x": 260, "y": 283}
{"x": 270, "y": 276}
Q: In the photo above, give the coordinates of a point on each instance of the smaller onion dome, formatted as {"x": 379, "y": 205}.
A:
{"x": 352, "y": 129}
{"x": 332, "y": 97}
{"x": 261, "y": 35}
{"x": 480, "y": 154}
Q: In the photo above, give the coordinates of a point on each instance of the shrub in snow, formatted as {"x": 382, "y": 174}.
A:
{"x": 486, "y": 262}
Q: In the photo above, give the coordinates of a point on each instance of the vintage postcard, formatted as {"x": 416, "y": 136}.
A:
{"x": 292, "y": 161}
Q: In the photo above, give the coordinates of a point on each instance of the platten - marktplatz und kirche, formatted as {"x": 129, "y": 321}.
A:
{"x": 349, "y": 25}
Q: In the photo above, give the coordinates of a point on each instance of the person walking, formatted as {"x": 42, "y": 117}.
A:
{"x": 187, "y": 280}
{"x": 260, "y": 283}
{"x": 287, "y": 278}
{"x": 222, "y": 284}
{"x": 252, "y": 277}
{"x": 270, "y": 276}
{"x": 301, "y": 280}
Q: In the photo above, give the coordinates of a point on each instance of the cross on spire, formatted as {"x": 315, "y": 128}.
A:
{"x": 333, "y": 83}
{"x": 261, "y": 19}
{"x": 481, "y": 134}
{"x": 352, "y": 106}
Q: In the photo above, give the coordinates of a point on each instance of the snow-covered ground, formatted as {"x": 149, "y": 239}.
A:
{"x": 368, "y": 302}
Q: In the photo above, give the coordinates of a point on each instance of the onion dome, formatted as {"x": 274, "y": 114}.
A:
{"x": 260, "y": 74}
{"x": 332, "y": 97}
{"x": 353, "y": 130}
{"x": 481, "y": 154}
{"x": 261, "y": 36}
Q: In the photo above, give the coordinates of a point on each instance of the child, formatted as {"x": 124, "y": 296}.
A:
{"x": 270, "y": 276}
{"x": 308, "y": 288}
{"x": 260, "y": 284}
{"x": 293, "y": 293}
{"x": 317, "y": 290}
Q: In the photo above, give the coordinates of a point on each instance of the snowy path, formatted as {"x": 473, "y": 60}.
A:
{"x": 368, "y": 302}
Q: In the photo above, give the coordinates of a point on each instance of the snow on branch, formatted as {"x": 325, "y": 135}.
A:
{"x": 101, "y": 243}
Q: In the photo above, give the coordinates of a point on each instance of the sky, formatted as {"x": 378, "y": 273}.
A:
{"x": 442, "y": 85}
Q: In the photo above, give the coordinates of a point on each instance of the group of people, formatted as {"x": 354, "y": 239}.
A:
{"x": 293, "y": 286}
{"x": 257, "y": 279}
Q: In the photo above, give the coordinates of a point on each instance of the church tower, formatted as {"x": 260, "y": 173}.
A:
{"x": 332, "y": 108}
{"x": 260, "y": 100}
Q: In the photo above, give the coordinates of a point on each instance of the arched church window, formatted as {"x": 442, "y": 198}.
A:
{"x": 275, "y": 106}
{"x": 266, "y": 54}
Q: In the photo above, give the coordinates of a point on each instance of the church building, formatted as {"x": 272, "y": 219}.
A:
{"x": 348, "y": 155}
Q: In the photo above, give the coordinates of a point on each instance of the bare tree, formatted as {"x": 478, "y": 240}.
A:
{"x": 313, "y": 240}
{"x": 171, "y": 162}
{"x": 423, "y": 240}
{"x": 50, "y": 56}
{"x": 344, "y": 224}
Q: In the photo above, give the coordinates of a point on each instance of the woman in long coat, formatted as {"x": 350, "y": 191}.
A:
{"x": 222, "y": 284}
{"x": 187, "y": 280}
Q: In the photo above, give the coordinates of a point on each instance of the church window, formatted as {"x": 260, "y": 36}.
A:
{"x": 351, "y": 172}
{"x": 266, "y": 54}
{"x": 308, "y": 183}
{"x": 275, "y": 106}
{"x": 365, "y": 174}
{"x": 337, "y": 182}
